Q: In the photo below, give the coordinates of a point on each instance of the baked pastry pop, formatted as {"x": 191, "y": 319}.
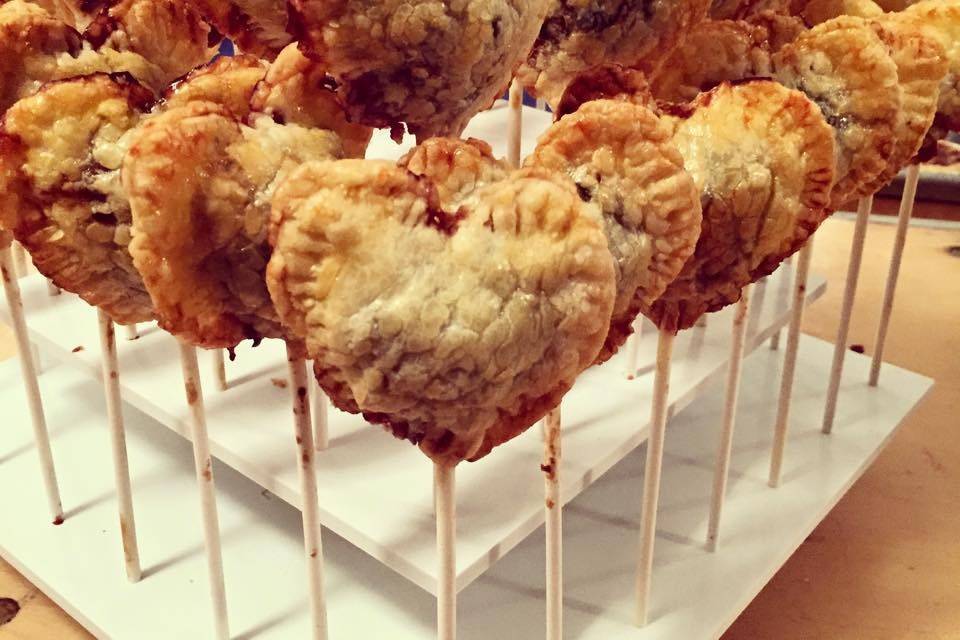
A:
{"x": 431, "y": 65}
{"x": 579, "y": 35}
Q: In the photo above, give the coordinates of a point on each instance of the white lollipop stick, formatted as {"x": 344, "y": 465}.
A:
{"x": 21, "y": 263}
{"x": 633, "y": 348}
{"x": 701, "y": 321}
{"x": 52, "y": 289}
{"x": 203, "y": 464}
{"x": 445, "y": 507}
{"x": 219, "y": 369}
{"x": 790, "y": 364}
{"x": 775, "y": 338}
{"x": 903, "y": 222}
{"x": 652, "y": 472}
{"x": 28, "y": 373}
{"x": 554, "y": 525}
{"x": 320, "y": 425}
{"x": 541, "y": 104}
{"x": 118, "y": 441}
{"x": 299, "y": 388}
{"x": 132, "y": 332}
{"x": 846, "y": 311}
{"x": 721, "y": 470}
{"x": 515, "y": 131}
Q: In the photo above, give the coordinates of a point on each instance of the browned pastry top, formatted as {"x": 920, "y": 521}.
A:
{"x": 430, "y": 64}
{"x": 60, "y": 155}
{"x": 578, "y": 35}
{"x": 622, "y": 159}
{"x": 762, "y": 157}
{"x": 455, "y": 305}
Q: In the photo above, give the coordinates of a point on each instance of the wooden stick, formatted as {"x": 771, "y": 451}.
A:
{"x": 312, "y": 546}
{"x": 633, "y": 348}
{"x": 554, "y": 525}
{"x": 790, "y": 364}
{"x": 515, "y": 132}
{"x": 132, "y": 332}
{"x": 219, "y": 369}
{"x": 21, "y": 263}
{"x": 701, "y": 322}
{"x": 846, "y": 311}
{"x": 886, "y": 309}
{"x": 28, "y": 373}
{"x": 444, "y": 481}
{"x": 721, "y": 470}
{"x": 118, "y": 440}
{"x": 775, "y": 338}
{"x": 320, "y": 424}
{"x": 652, "y": 472}
{"x": 52, "y": 289}
{"x": 203, "y": 464}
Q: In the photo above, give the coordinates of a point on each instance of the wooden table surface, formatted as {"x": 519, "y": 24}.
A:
{"x": 885, "y": 564}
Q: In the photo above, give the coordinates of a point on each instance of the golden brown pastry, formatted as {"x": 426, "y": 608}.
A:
{"x": 202, "y": 247}
{"x": 297, "y": 90}
{"x": 31, "y": 40}
{"x": 817, "y": 11}
{"x": 578, "y": 35}
{"x": 762, "y": 157}
{"x": 431, "y": 64}
{"x": 605, "y": 82}
{"x": 169, "y": 33}
{"x": 941, "y": 21}
{"x": 60, "y": 155}
{"x": 228, "y": 81}
{"x": 258, "y": 27}
{"x": 921, "y": 65}
{"x": 844, "y": 67}
{"x": 454, "y": 310}
{"x": 621, "y": 158}
{"x": 713, "y": 52}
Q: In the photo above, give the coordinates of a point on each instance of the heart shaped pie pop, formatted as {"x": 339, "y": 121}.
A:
{"x": 429, "y": 64}
{"x": 762, "y": 157}
{"x": 202, "y": 248}
{"x": 60, "y": 156}
{"x": 622, "y": 159}
{"x": 455, "y": 307}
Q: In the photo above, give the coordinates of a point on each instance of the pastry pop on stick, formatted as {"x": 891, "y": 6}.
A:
{"x": 397, "y": 337}
{"x": 579, "y": 35}
{"x": 431, "y": 65}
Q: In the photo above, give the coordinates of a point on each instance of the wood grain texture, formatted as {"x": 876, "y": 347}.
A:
{"x": 883, "y": 564}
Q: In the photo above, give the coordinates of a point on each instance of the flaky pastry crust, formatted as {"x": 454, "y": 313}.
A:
{"x": 60, "y": 155}
{"x": 921, "y": 65}
{"x": 202, "y": 247}
{"x": 229, "y": 81}
{"x": 845, "y": 68}
{"x": 430, "y": 64}
{"x": 762, "y": 158}
{"x": 258, "y": 27}
{"x": 457, "y": 329}
{"x": 622, "y": 159}
{"x": 577, "y": 35}
{"x": 297, "y": 90}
